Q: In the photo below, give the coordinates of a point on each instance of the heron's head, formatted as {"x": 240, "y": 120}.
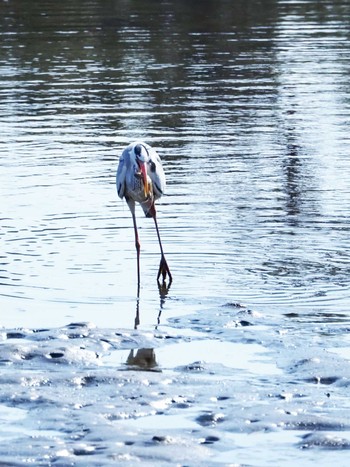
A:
{"x": 142, "y": 157}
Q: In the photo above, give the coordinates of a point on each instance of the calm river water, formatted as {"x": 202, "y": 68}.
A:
{"x": 245, "y": 359}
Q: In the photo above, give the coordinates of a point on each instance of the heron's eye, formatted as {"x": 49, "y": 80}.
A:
{"x": 152, "y": 166}
{"x": 137, "y": 149}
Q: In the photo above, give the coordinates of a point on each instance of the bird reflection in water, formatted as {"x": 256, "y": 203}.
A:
{"x": 145, "y": 359}
{"x": 142, "y": 360}
{"x": 163, "y": 292}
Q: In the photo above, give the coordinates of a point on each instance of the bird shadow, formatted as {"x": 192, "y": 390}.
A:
{"x": 144, "y": 359}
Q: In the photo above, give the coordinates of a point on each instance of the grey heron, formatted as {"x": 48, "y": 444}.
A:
{"x": 141, "y": 179}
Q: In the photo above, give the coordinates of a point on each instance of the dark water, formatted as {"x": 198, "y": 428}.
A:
{"x": 248, "y": 104}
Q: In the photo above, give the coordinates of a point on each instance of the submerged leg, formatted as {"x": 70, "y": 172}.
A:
{"x": 137, "y": 315}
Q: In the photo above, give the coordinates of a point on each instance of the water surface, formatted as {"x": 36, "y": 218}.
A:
{"x": 247, "y": 103}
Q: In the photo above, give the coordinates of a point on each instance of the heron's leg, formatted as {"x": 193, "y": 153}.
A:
{"x": 164, "y": 270}
{"x": 131, "y": 204}
{"x": 137, "y": 245}
{"x": 163, "y": 266}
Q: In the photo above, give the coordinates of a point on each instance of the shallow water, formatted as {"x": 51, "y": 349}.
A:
{"x": 245, "y": 359}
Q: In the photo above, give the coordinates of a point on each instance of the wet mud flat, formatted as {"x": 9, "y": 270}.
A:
{"x": 223, "y": 386}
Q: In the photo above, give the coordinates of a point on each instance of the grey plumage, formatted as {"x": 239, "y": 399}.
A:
{"x": 141, "y": 179}
{"x": 129, "y": 181}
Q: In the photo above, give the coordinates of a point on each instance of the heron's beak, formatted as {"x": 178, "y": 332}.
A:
{"x": 143, "y": 169}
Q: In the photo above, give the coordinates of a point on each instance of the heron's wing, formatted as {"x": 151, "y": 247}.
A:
{"x": 121, "y": 173}
{"x": 156, "y": 173}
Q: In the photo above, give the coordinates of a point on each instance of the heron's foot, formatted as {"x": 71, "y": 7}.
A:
{"x": 164, "y": 271}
